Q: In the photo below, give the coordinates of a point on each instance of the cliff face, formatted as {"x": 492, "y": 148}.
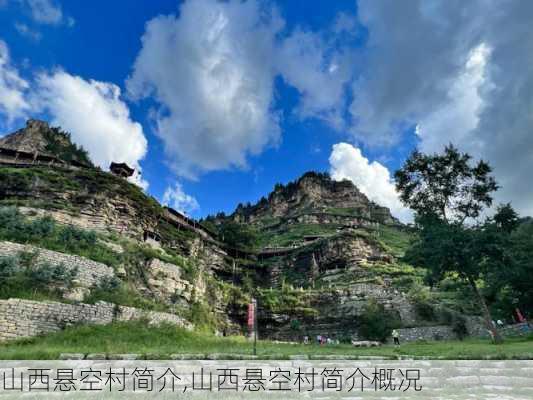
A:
{"x": 322, "y": 252}
{"x": 40, "y": 139}
{"x": 30, "y": 139}
{"x": 311, "y": 195}
{"x": 87, "y": 198}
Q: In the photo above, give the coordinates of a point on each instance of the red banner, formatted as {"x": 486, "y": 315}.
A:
{"x": 519, "y": 315}
{"x": 251, "y": 316}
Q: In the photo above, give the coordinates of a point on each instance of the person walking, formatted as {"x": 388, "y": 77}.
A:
{"x": 396, "y": 337}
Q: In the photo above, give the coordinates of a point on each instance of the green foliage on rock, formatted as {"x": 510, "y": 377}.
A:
{"x": 59, "y": 144}
{"x": 21, "y": 277}
{"x": 287, "y": 235}
{"x": 393, "y": 239}
{"x": 125, "y": 294}
{"x": 376, "y": 323}
{"x": 46, "y": 233}
{"x": 202, "y": 316}
{"x": 69, "y": 189}
{"x": 237, "y": 235}
{"x": 288, "y": 300}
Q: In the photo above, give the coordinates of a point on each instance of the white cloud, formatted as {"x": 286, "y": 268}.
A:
{"x": 13, "y": 103}
{"x": 371, "y": 178}
{"x": 460, "y": 71}
{"x": 212, "y": 71}
{"x": 345, "y": 23}
{"x": 415, "y": 51}
{"x": 455, "y": 119}
{"x": 93, "y": 112}
{"x": 45, "y": 11}
{"x": 306, "y": 61}
{"x": 27, "y": 32}
{"x": 176, "y": 198}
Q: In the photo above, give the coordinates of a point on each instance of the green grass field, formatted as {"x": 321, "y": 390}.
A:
{"x": 161, "y": 342}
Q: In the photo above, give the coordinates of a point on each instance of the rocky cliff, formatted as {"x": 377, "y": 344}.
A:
{"x": 39, "y": 138}
{"x": 319, "y": 251}
{"x": 314, "y": 197}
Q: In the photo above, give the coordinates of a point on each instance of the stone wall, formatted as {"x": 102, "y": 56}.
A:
{"x": 439, "y": 332}
{"x": 25, "y": 318}
{"x": 89, "y": 272}
{"x": 474, "y": 327}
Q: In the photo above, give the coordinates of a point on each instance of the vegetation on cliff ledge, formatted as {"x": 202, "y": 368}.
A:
{"x": 46, "y": 233}
{"x": 59, "y": 144}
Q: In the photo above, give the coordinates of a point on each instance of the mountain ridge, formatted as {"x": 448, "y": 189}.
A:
{"x": 39, "y": 138}
{"x": 323, "y": 250}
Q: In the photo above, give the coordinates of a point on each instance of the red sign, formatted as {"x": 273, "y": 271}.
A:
{"x": 519, "y": 315}
{"x": 251, "y": 315}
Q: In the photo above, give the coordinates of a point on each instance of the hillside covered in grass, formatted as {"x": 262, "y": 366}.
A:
{"x": 317, "y": 254}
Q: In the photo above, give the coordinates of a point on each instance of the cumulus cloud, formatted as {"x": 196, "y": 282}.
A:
{"x": 306, "y": 61}
{"x": 372, "y": 178}
{"x": 176, "y": 198}
{"x": 13, "y": 102}
{"x": 212, "y": 71}
{"x": 94, "y": 113}
{"x": 417, "y": 50}
{"x": 459, "y": 71}
{"x": 459, "y": 115}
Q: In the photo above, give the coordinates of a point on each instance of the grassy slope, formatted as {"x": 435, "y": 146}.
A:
{"x": 287, "y": 235}
{"x": 162, "y": 341}
{"x": 46, "y": 233}
{"x": 86, "y": 183}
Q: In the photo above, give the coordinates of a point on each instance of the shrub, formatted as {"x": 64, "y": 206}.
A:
{"x": 8, "y": 267}
{"x": 421, "y": 299}
{"x": 70, "y": 236}
{"x": 238, "y": 235}
{"x": 375, "y": 323}
{"x": 425, "y": 310}
{"x": 113, "y": 290}
{"x": 296, "y": 325}
{"x": 22, "y": 278}
{"x": 109, "y": 283}
{"x": 202, "y": 316}
{"x": 59, "y": 143}
{"x": 459, "y": 326}
{"x": 45, "y": 275}
{"x": 45, "y": 232}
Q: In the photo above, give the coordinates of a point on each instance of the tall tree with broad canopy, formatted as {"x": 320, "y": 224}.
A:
{"x": 448, "y": 192}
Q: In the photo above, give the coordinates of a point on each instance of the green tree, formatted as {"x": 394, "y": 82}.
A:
{"x": 446, "y": 190}
{"x": 445, "y": 185}
{"x": 238, "y": 235}
{"x": 511, "y": 285}
{"x": 376, "y": 323}
{"x": 506, "y": 218}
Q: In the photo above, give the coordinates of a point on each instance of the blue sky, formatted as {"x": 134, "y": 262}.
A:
{"x": 216, "y": 101}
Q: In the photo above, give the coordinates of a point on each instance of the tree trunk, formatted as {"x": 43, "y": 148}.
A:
{"x": 498, "y": 339}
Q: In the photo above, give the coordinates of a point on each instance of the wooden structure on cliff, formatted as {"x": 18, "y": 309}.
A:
{"x": 16, "y": 157}
{"x": 182, "y": 221}
{"x": 121, "y": 169}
